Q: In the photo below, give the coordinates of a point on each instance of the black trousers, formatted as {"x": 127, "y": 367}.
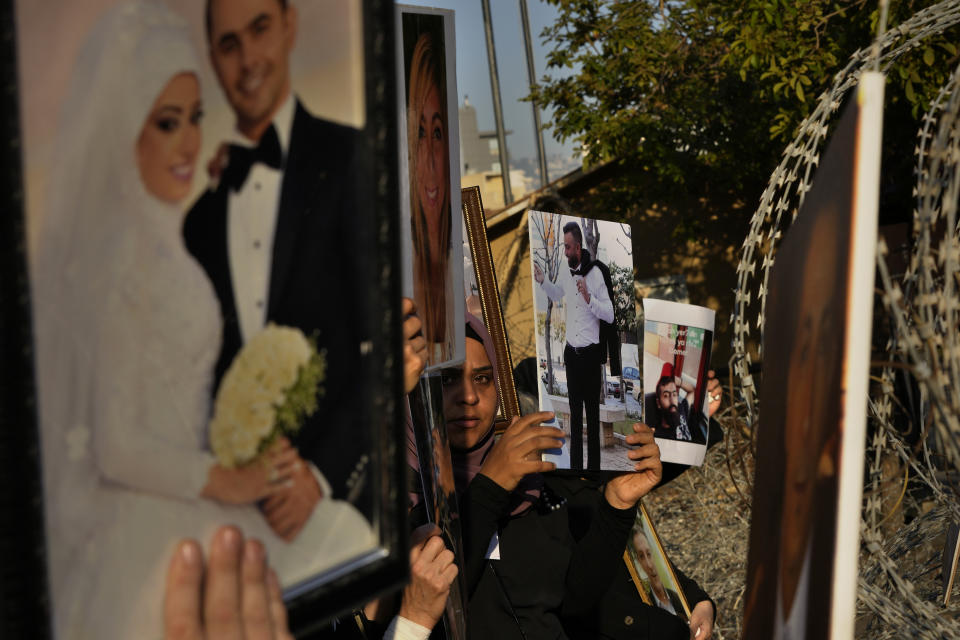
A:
{"x": 583, "y": 387}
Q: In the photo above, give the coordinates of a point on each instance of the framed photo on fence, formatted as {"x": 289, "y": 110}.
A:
{"x": 201, "y": 279}
{"x": 650, "y": 569}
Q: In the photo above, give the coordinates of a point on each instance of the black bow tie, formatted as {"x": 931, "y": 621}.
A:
{"x": 575, "y": 272}
{"x": 242, "y": 158}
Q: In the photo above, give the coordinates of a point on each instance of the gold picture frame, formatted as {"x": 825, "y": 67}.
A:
{"x": 475, "y": 223}
{"x": 643, "y": 524}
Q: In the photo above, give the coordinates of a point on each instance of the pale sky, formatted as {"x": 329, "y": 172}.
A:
{"x": 473, "y": 75}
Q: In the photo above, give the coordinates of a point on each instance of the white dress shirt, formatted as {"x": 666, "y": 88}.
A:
{"x": 583, "y": 319}
{"x": 251, "y": 222}
{"x": 666, "y": 606}
{"x": 402, "y": 629}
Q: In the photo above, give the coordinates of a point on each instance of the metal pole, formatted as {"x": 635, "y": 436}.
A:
{"x": 497, "y": 105}
{"x": 532, "y": 78}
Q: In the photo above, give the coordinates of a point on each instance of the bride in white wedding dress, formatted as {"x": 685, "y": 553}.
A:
{"x": 128, "y": 332}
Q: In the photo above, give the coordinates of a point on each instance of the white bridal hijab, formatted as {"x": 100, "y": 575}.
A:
{"x": 127, "y": 59}
{"x": 90, "y": 250}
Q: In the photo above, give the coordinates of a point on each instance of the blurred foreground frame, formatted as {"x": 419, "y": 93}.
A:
{"x": 476, "y": 224}
{"x": 24, "y": 599}
{"x": 26, "y": 610}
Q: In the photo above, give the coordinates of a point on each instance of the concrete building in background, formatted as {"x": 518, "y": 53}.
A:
{"x": 491, "y": 187}
{"x": 478, "y": 149}
{"x": 480, "y": 163}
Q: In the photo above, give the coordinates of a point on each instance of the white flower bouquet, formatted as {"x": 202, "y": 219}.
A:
{"x": 270, "y": 389}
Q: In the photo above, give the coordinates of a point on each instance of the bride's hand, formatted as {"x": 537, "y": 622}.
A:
{"x": 254, "y": 481}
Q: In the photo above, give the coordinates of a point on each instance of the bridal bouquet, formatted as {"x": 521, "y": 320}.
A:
{"x": 270, "y": 389}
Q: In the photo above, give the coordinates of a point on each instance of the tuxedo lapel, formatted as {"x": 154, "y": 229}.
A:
{"x": 205, "y": 236}
{"x": 301, "y": 179}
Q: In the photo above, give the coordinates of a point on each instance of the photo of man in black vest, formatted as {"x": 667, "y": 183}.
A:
{"x": 587, "y": 303}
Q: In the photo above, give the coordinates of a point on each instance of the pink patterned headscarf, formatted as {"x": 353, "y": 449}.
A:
{"x": 467, "y": 462}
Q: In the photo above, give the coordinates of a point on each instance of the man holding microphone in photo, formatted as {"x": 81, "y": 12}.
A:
{"x": 588, "y": 302}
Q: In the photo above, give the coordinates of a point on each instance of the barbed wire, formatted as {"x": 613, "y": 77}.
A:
{"x": 792, "y": 179}
{"x": 913, "y": 451}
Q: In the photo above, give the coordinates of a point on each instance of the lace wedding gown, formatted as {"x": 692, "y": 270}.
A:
{"x": 141, "y": 439}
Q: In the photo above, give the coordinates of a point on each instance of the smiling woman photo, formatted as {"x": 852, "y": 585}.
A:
{"x": 428, "y": 153}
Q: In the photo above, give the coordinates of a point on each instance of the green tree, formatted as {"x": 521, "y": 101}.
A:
{"x": 791, "y": 50}
{"x": 624, "y": 299}
{"x": 706, "y": 93}
{"x": 560, "y": 326}
{"x": 547, "y": 257}
{"x": 651, "y": 86}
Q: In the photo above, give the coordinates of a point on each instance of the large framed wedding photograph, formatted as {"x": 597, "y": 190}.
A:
{"x": 210, "y": 241}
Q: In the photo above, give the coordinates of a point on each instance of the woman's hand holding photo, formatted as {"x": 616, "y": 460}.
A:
{"x": 414, "y": 346}
{"x": 714, "y": 393}
{"x": 624, "y": 491}
{"x": 432, "y": 571}
{"x": 701, "y": 621}
{"x": 517, "y": 453}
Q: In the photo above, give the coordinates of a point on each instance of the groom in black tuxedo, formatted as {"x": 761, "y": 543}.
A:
{"x": 273, "y": 237}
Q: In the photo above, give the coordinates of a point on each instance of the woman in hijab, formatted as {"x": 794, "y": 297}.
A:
{"x": 538, "y": 549}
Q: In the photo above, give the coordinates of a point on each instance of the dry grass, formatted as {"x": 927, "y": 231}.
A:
{"x": 703, "y": 520}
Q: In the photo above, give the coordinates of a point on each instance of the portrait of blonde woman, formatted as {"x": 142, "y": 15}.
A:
{"x": 428, "y": 130}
